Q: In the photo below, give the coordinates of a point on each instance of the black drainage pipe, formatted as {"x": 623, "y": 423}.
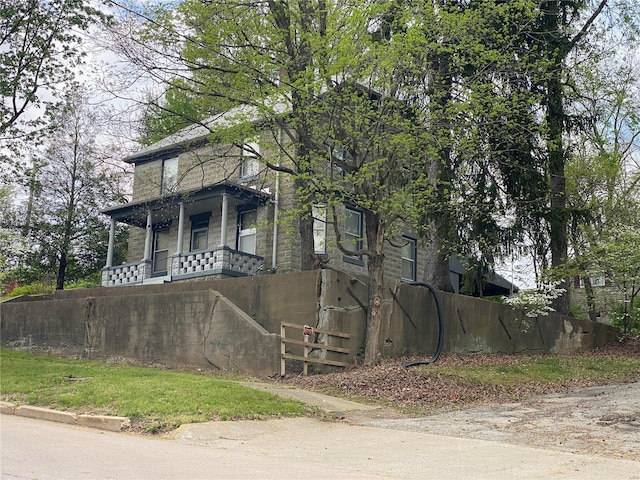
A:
{"x": 436, "y": 355}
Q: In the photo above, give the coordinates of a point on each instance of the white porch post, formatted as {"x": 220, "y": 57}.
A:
{"x": 223, "y": 221}
{"x": 149, "y": 237}
{"x": 180, "y": 229}
{"x": 112, "y": 235}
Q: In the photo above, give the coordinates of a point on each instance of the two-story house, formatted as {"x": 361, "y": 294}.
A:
{"x": 206, "y": 207}
{"x": 210, "y": 208}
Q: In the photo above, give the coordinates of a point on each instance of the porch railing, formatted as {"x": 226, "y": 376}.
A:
{"x": 221, "y": 260}
{"x": 126, "y": 274}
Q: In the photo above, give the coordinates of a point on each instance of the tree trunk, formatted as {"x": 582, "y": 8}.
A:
{"x": 307, "y": 247}
{"x": 591, "y": 298}
{"x": 305, "y": 226}
{"x": 62, "y": 268}
{"x": 375, "y": 268}
{"x": 437, "y": 271}
{"x": 439, "y": 171}
{"x": 558, "y": 218}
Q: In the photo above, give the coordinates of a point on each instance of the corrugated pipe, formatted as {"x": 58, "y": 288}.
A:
{"x": 436, "y": 355}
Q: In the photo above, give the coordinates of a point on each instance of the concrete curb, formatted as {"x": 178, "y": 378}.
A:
{"x": 102, "y": 422}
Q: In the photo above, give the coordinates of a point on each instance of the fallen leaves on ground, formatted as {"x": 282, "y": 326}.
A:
{"x": 424, "y": 389}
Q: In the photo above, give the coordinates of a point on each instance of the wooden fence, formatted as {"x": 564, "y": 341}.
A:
{"x": 306, "y": 332}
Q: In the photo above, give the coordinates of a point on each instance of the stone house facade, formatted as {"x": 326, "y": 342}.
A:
{"x": 206, "y": 207}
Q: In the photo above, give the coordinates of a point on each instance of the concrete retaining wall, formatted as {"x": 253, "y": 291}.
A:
{"x": 234, "y": 324}
{"x": 473, "y": 325}
{"x": 200, "y": 328}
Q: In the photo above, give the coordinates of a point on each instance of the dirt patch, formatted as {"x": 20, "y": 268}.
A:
{"x": 603, "y": 420}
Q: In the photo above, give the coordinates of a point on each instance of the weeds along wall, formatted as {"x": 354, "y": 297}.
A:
{"x": 234, "y": 324}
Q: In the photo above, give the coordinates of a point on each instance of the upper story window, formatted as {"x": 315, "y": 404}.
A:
{"x": 169, "y": 175}
{"x": 353, "y": 229}
{"x": 409, "y": 256}
{"x": 319, "y": 230}
{"x": 249, "y": 162}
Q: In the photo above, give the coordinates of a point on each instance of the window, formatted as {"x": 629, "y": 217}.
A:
{"x": 409, "y": 255}
{"x": 249, "y": 162}
{"x": 319, "y": 230}
{"x": 353, "y": 230}
{"x": 169, "y": 175}
{"x": 247, "y": 231}
{"x": 597, "y": 280}
{"x": 199, "y": 231}
{"x": 161, "y": 251}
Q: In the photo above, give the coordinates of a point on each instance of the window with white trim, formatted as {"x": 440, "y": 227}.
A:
{"x": 249, "y": 162}
{"x": 319, "y": 229}
{"x": 409, "y": 256}
{"x": 353, "y": 230}
{"x": 199, "y": 231}
{"x": 161, "y": 251}
{"x": 169, "y": 175}
{"x": 597, "y": 280}
{"x": 247, "y": 221}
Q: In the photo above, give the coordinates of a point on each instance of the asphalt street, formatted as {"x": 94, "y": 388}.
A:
{"x": 277, "y": 449}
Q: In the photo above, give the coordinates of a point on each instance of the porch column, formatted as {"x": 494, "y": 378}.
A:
{"x": 180, "y": 229}
{"x": 112, "y": 235}
{"x": 223, "y": 221}
{"x": 149, "y": 237}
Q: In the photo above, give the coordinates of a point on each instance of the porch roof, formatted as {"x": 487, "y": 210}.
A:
{"x": 135, "y": 213}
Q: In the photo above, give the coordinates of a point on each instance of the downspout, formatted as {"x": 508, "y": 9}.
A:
{"x": 276, "y": 203}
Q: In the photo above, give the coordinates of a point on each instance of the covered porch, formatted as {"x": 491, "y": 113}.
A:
{"x": 210, "y": 231}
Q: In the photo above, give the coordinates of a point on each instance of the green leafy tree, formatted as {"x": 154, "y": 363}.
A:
{"x": 454, "y": 109}
{"x": 39, "y": 49}
{"x": 602, "y": 175}
{"x": 618, "y": 256}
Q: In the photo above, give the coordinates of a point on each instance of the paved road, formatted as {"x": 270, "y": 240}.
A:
{"x": 277, "y": 449}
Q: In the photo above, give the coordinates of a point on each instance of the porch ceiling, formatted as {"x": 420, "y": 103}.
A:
{"x": 135, "y": 213}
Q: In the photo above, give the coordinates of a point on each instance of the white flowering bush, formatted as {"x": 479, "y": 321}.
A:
{"x": 536, "y": 303}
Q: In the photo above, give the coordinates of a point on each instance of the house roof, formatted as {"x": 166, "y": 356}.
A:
{"x": 197, "y": 133}
{"x": 135, "y": 213}
{"x": 496, "y": 281}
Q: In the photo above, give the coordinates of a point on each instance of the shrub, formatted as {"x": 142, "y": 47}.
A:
{"x": 36, "y": 288}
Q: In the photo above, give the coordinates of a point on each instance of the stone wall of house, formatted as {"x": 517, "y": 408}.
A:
{"x": 211, "y": 163}
{"x": 235, "y": 323}
{"x": 288, "y": 253}
{"x": 135, "y": 250}
{"x": 607, "y": 298}
{"x": 147, "y": 178}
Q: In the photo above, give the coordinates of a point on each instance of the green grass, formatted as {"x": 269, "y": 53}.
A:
{"x": 547, "y": 369}
{"x": 155, "y": 399}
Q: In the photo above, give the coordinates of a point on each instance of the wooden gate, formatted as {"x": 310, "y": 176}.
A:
{"x": 306, "y": 331}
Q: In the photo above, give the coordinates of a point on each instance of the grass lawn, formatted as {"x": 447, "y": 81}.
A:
{"x": 155, "y": 399}
{"x": 158, "y": 399}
